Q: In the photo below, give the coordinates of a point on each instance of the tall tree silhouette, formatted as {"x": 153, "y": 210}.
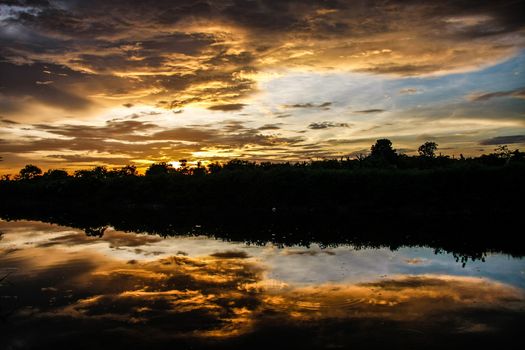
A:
{"x": 428, "y": 149}
{"x": 382, "y": 150}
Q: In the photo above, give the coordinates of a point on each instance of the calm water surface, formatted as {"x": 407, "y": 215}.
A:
{"x": 60, "y": 288}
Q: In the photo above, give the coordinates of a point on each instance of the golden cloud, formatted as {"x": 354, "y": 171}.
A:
{"x": 207, "y": 53}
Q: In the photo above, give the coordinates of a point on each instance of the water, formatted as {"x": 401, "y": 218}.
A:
{"x": 61, "y": 288}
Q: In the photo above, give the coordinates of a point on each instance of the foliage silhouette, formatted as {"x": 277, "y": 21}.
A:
{"x": 382, "y": 151}
{"x": 157, "y": 169}
{"x": 428, "y": 149}
{"x": 98, "y": 172}
{"x": 56, "y": 174}
{"x": 29, "y": 172}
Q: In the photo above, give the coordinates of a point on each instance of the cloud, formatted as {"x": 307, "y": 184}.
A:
{"x": 269, "y": 127}
{"x": 401, "y": 69}
{"x": 120, "y": 141}
{"x": 231, "y": 254}
{"x": 115, "y": 239}
{"x": 502, "y": 140}
{"x": 210, "y": 54}
{"x": 409, "y": 91}
{"x": 360, "y": 140}
{"x": 283, "y": 115}
{"x": 125, "y": 130}
{"x": 416, "y": 261}
{"x": 8, "y": 121}
{"x": 21, "y": 81}
{"x": 485, "y": 96}
{"x": 227, "y": 107}
{"x": 370, "y": 111}
{"x": 327, "y": 125}
{"x": 88, "y": 158}
{"x": 324, "y": 105}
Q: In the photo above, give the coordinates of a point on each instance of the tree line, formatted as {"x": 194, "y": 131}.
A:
{"x": 382, "y": 156}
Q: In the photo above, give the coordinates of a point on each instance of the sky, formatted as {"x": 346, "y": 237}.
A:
{"x": 86, "y": 83}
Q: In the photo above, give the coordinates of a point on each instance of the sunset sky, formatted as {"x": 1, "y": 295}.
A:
{"x": 99, "y": 82}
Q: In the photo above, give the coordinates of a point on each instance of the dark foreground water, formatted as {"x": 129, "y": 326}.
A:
{"x": 60, "y": 288}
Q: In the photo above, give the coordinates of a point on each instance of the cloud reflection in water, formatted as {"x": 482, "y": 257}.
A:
{"x": 63, "y": 293}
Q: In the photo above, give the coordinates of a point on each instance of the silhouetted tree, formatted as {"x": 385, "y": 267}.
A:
{"x": 383, "y": 150}
{"x": 162, "y": 168}
{"x": 236, "y": 164}
{"x": 517, "y": 155}
{"x": 56, "y": 174}
{"x": 214, "y": 168}
{"x": 98, "y": 172}
{"x": 30, "y": 171}
{"x": 199, "y": 170}
{"x": 503, "y": 151}
{"x": 428, "y": 149}
{"x": 128, "y": 170}
{"x": 183, "y": 169}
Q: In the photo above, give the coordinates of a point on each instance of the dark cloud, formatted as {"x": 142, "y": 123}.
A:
{"x": 485, "y": 96}
{"x": 231, "y": 126}
{"x": 7, "y": 121}
{"x": 369, "y": 111}
{"x": 503, "y": 140}
{"x": 27, "y": 81}
{"x": 125, "y": 130}
{"x": 231, "y": 254}
{"x": 324, "y": 105}
{"x": 114, "y": 238}
{"x": 401, "y": 69}
{"x": 309, "y": 252}
{"x": 327, "y": 125}
{"x": 87, "y": 159}
{"x": 227, "y": 107}
{"x": 269, "y": 127}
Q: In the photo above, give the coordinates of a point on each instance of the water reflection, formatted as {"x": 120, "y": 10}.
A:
{"x": 125, "y": 290}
